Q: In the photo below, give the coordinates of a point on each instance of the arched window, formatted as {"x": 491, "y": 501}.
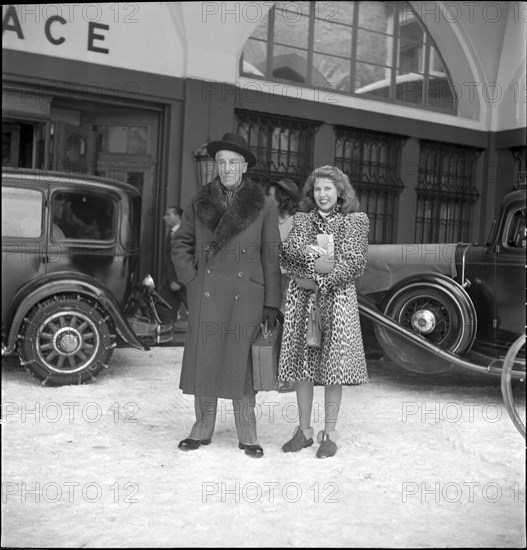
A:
{"x": 375, "y": 50}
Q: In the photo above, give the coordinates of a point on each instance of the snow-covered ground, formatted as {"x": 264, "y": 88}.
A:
{"x": 421, "y": 462}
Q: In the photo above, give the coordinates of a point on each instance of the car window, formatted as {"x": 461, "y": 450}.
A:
{"x": 21, "y": 212}
{"x": 515, "y": 229}
{"x": 132, "y": 223}
{"x": 82, "y": 216}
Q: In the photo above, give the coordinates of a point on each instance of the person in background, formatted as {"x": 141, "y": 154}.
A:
{"x": 226, "y": 252}
{"x": 331, "y": 215}
{"x": 286, "y": 196}
{"x": 84, "y": 221}
{"x": 174, "y": 290}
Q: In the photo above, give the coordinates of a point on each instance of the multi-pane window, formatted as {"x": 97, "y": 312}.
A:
{"x": 446, "y": 192}
{"x": 372, "y": 160}
{"x": 368, "y": 49}
{"x": 282, "y": 145}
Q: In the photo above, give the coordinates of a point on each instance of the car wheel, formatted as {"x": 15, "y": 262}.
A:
{"x": 440, "y": 312}
{"x": 65, "y": 340}
{"x": 513, "y": 359}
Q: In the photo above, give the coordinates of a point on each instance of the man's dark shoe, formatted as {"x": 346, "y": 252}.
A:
{"x": 254, "y": 451}
{"x": 190, "y": 444}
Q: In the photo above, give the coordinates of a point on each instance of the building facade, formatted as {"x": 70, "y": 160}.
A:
{"x": 421, "y": 103}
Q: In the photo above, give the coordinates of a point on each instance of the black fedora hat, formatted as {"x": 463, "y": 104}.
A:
{"x": 232, "y": 142}
{"x": 287, "y": 186}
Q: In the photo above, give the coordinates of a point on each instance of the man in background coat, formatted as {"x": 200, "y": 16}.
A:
{"x": 226, "y": 254}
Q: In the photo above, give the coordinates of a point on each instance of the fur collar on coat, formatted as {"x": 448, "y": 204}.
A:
{"x": 227, "y": 221}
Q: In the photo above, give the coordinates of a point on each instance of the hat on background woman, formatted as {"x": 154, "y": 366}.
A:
{"x": 288, "y": 186}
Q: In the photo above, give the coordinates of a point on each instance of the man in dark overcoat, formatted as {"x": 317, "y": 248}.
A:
{"x": 226, "y": 253}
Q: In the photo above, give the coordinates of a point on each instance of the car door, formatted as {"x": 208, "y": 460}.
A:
{"x": 510, "y": 277}
{"x": 24, "y": 246}
{"x": 83, "y": 236}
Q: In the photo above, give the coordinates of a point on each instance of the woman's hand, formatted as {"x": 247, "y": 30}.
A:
{"x": 325, "y": 263}
{"x": 312, "y": 249}
{"x": 308, "y": 284}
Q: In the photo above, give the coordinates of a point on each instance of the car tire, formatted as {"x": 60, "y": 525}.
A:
{"x": 437, "y": 310}
{"x": 66, "y": 340}
{"x": 509, "y": 363}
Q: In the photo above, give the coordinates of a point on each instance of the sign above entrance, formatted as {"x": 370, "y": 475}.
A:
{"x": 111, "y": 34}
{"x": 52, "y": 28}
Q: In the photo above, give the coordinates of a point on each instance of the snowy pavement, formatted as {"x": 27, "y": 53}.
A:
{"x": 421, "y": 462}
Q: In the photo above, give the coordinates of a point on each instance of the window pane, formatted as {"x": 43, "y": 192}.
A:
{"x": 411, "y": 48}
{"x": 117, "y": 137}
{"x": 411, "y": 59}
{"x": 372, "y": 79}
{"x": 82, "y": 216}
{"x": 336, "y": 12}
{"x": 515, "y": 232}
{"x": 411, "y": 32}
{"x": 333, "y": 39}
{"x": 122, "y": 139}
{"x": 255, "y": 57}
{"x": 374, "y": 47}
{"x": 137, "y": 136}
{"x": 21, "y": 213}
{"x": 376, "y": 16}
{"x": 436, "y": 67}
{"x": 291, "y": 31}
{"x": 331, "y": 73}
{"x": 290, "y": 11}
{"x": 261, "y": 30}
{"x": 290, "y": 64}
{"x": 341, "y": 29}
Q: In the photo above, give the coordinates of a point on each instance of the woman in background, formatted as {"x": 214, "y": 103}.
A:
{"x": 285, "y": 194}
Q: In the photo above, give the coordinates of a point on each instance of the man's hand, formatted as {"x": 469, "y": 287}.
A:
{"x": 269, "y": 316}
{"x": 174, "y": 287}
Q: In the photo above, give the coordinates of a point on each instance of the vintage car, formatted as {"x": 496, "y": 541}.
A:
{"x": 70, "y": 253}
{"x": 438, "y": 307}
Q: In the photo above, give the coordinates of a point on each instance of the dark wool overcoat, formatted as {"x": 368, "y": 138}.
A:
{"x": 341, "y": 358}
{"x": 228, "y": 258}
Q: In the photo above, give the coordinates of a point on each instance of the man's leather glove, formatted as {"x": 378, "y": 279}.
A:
{"x": 269, "y": 316}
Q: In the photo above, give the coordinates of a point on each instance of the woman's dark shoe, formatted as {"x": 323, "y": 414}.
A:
{"x": 190, "y": 444}
{"x": 299, "y": 441}
{"x": 254, "y": 451}
{"x": 328, "y": 446}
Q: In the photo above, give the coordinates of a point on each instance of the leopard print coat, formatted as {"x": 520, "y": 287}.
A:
{"x": 341, "y": 358}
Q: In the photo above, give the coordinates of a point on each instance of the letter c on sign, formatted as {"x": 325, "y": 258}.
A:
{"x": 47, "y": 29}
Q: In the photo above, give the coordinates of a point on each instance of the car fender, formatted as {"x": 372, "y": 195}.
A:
{"x": 60, "y": 283}
{"x": 432, "y": 279}
{"x": 434, "y": 285}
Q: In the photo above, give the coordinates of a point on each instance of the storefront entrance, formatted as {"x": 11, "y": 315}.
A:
{"x": 102, "y": 139}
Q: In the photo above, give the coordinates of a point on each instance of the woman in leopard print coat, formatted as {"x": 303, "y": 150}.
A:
{"x": 333, "y": 210}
